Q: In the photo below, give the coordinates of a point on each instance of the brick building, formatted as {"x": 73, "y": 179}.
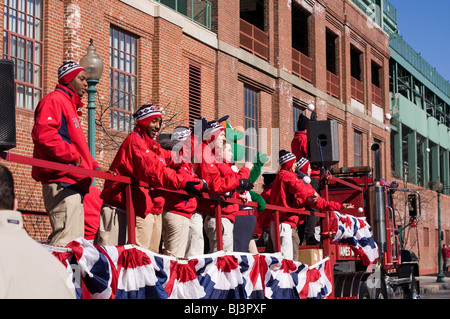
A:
{"x": 262, "y": 62}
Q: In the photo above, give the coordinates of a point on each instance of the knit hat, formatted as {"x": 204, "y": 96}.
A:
{"x": 302, "y": 165}
{"x": 212, "y": 129}
{"x": 68, "y": 71}
{"x": 302, "y": 122}
{"x": 286, "y": 159}
{"x": 145, "y": 115}
{"x": 180, "y": 133}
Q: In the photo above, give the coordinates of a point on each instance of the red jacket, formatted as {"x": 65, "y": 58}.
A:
{"x": 263, "y": 217}
{"x": 220, "y": 179}
{"x": 183, "y": 205}
{"x": 286, "y": 188}
{"x": 142, "y": 158}
{"x": 58, "y": 137}
{"x": 299, "y": 147}
{"x": 321, "y": 204}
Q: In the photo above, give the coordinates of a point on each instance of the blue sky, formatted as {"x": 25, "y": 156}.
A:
{"x": 425, "y": 25}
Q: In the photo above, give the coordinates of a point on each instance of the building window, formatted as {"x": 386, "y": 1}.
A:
{"x": 251, "y": 123}
{"x": 296, "y": 111}
{"x": 357, "y": 85}
{"x": 377, "y": 96}
{"x": 332, "y": 64}
{"x": 22, "y": 43}
{"x": 195, "y": 93}
{"x": 301, "y": 60}
{"x": 251, "y": 34}
{"x": 123, "y": 78}
{"x": 357, "y": 148}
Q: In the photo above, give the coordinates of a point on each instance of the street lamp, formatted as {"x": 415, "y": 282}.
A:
{"x": 93, "y": 64}
{"x": 438, "y": 187}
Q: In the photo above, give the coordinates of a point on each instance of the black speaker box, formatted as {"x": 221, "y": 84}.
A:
{"x": 7, "y": 105}
{"x": 323, "y": 142}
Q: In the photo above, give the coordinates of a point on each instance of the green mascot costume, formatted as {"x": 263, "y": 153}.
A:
{"x": 245, "y": 221}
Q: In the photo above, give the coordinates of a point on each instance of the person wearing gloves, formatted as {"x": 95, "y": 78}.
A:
{"x": 315, "y": 202}
{"x": 179, "y": 208}
{"x": 303, "y": 170}
{"x": 285, "y": 188}
{"x": 58, "y": 137}
{"x": 221, "y": 181}
{"x": 142, "y": 158}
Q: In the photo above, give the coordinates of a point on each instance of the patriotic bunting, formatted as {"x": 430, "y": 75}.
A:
{"x": 132, "y": 272}
{"x": 356, "y": 232}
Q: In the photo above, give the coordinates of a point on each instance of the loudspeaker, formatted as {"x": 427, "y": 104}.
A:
{"x": 323, "y": 142}
{"x": 7, "y": 105}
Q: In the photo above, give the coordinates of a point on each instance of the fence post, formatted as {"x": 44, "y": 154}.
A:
{"x": 218, "y": 216}
{"x": 277, "y": 232}
{"x": 131, "y": 219}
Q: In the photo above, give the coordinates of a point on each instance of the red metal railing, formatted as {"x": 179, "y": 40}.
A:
{"x": 129, "y": 202}
{"x": 332, "y": 84}
{"x": 254, "y": 40}
{"x": 376, "y": 95}
{"x": 301, "y": 65}
{"x": 357, "y": 90}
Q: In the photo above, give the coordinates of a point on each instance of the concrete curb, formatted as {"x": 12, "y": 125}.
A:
{"x": 428, "y": 284}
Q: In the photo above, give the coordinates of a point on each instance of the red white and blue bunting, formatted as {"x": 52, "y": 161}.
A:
{"x": 131, "y": 272}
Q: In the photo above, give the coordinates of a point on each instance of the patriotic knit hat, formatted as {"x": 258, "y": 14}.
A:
{"x": 145, "y": 115}
{"x": 212, "y": 129}
{"x": 286, "y": 159}
{"x": 302, "y": 165}
{"x": 68, "y": 71}
{"x": 180, "y": 133}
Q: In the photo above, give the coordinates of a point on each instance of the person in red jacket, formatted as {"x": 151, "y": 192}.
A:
{"x": 57, "y": 136}
{"x": 142, "y": 158}
{"x": 285, "y": 188}
{"x": 316, "y": 201}
{"x": 221, "y": 181}
{"x": 178, "y": 208}
{"x": 299, "y": 145}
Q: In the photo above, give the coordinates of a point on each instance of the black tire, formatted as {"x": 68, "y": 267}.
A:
{"x": 412, "y": 290}
{"x": 363, "y": 292}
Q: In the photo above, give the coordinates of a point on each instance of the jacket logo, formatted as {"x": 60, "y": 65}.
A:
{"x": 75, "y": 122}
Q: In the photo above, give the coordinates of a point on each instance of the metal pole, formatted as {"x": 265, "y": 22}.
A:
{"x": 440, "y": 276}
{"x": 91, "y": 115}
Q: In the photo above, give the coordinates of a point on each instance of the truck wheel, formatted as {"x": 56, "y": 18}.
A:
{"x": 412, "y": 290}
{"x": 363, "y": 291}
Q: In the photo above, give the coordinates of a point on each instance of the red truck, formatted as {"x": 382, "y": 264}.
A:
{"x": 394, "y": 274}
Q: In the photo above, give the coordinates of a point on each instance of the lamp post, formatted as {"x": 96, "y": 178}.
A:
{"x": 438, "y": 186}
{"x": 93, "y": 64}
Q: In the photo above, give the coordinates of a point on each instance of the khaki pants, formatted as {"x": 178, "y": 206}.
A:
{"x": 195, "y": 242}
{"x": 113, "y": 229}
{"x": 175, "y": 232}
{"x": 227, "y": 233}
{"x": 64, "y": 207}
{"x": 148, "y": 232}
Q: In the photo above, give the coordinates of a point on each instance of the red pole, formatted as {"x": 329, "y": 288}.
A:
{"x": 131, "y": 219}
{"x": 277, "y": 231}
{"x": 219, "y": 238}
